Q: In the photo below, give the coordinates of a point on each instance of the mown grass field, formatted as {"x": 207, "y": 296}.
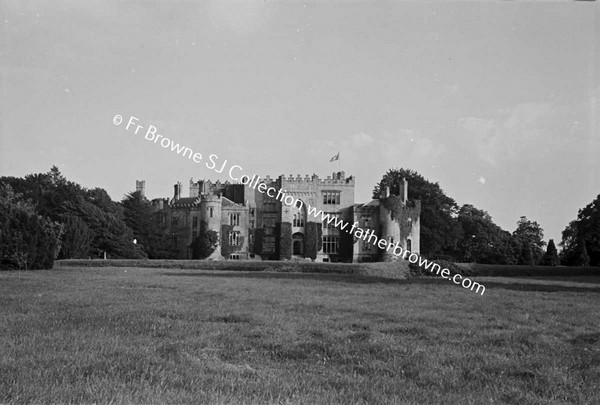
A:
{"x": 153, "y": 335}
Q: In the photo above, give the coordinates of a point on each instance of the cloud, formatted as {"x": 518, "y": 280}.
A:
{"x": 511, "y": 132}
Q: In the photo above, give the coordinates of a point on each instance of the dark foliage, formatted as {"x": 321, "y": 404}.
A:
{"x": 206, "y": 242}
{"x": 583, "y": 236}
{"x": 551, "y": 256}
{"x": 60, "y": 200}
{"x": 27, "y": 240}
{"x": 313, "y": 234}
{"x": 147, "y": 226}
{"x": 481, "y": 240}
{"x": 77, "y": 238}
{"x": 284, "y": 232}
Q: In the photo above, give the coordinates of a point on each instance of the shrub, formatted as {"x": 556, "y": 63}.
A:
{"x": 285, "y": 240}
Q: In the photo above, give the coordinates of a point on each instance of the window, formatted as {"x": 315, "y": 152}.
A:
{"x": 235, "y": 238}
{"x": 174, "y": 237}
{"x": 269, "y": 232}
{"x": 299, "y": 217}
{"x": 391, "y": 240}
{"x": 252, "y": 223}
{"x": 252, "y": 212}
{"x": 194, "y": 222}
{"x": 331, "y": 197}
{"x": 298, "y": 220}
{"x": 234, "y": 256}
{"x": 194, "y": 235}
{"x": 331, "y": 244}
{"x": 234, "y": 219}
{"x": 210, "y": 211}
{"x": 366, "y": 221}
{"x": 174, "y": 220}
{"x": 334, "y": 216}
{"x": 366, "y": 246}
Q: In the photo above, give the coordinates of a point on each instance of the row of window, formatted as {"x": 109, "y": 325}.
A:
{"x": 175, "y": 220}
{"x": 234, "y": 219}
{"x": 298, "y": 220}
{"x": 331, "y": 197}
{"x": 331, "y": 244}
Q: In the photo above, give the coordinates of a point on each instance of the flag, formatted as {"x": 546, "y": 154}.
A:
{"x": 336, "y": 157}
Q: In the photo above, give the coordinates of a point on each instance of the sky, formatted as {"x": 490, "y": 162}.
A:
{"x": 496, "y": 101}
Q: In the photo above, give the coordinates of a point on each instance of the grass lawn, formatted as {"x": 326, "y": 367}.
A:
{"x": 152, "y": 335}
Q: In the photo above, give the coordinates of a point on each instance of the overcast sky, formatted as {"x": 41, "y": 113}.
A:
{"x": 495, "y": 101}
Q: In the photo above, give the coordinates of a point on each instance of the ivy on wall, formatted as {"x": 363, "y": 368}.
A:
{"x": 284, "y": 232}
{"x": 401, "y": 214}
{"x": 206, "y": 242}
{"x": 226, "y": 248}
{"x": 313, "y": 234}
{"x": 258, "y": 241}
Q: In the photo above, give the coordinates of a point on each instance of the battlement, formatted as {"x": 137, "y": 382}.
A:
{"x": 338, "y": 178}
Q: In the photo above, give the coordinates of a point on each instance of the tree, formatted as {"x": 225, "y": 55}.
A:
{"x": 206, "y": 242}
{"x": 77, "y": 238}
{"x": 526, "y": 256}
{"x": 551, "y": 256}
{"x": 27, "y": 240}
{"x": 529, "y": 235}
{"x": 576, "y": 254}
{"x": 146, "y": 224}
{"x": 439, "y": 230}
{"x": 481, "y": 240}
{"x": 585, "y": 230}
{"x": 57, "y": 199}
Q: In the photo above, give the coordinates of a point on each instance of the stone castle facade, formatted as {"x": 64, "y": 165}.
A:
{"x": 253, "y": 225}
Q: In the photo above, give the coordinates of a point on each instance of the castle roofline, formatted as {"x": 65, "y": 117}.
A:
{"x": 185, "y": 202}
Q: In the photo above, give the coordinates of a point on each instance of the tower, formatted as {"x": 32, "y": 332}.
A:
{"x": 140, "y": 187}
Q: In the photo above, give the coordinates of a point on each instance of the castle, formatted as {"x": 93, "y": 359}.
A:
{"x": 252, "y": 224}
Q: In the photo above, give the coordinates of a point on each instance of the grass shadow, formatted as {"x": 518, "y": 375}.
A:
{"x": 357, "y": 279}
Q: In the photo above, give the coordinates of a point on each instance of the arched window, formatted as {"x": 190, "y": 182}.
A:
{"x": 299, "y": 218}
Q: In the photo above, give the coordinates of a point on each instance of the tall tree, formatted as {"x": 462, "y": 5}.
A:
{"x": 146, "y": 224}
{"x": 27, "y": 240}
{"x": 481, "y": 241}
{"x": 530, "y": 235}
{"x": 77, "y": 238}
{"x": 551, "y": 256}
{"x": 584, "y": 230}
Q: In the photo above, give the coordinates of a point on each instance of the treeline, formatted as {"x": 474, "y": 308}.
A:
{"x": 44, "y": 217}
{"x": 468, "y": 234}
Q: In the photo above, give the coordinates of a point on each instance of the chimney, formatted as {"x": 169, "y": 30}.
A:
{"x": 405, "y": 187}
{"x": 177, "y": 191}
{"x": 140, "y": 186}
{"x": 194, "y": 188}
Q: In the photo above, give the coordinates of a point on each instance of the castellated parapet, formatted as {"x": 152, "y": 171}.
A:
{"x": 258, "y": 224}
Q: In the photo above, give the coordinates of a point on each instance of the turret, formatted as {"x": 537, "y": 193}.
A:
{"x": 140, "y": 187}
